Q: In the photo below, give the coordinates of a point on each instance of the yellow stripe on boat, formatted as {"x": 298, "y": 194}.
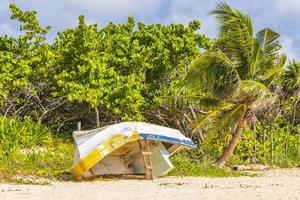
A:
{"x": 113, "y": 143}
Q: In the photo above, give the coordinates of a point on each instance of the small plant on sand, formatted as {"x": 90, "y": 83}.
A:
{"x": 28, "y": 148}
{"x": 184, "y": 165}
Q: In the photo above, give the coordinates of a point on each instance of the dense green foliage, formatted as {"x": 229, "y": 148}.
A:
{"x": 274, "y": 144}
{"x": 234, "y": 85}
{"x": 118, "y": 68}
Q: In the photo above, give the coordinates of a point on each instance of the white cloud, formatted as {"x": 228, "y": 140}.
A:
{"x": 280, "y": 15}
{"x": 6, "y": 28}
{"x": 275, "y": 14}
{"x": 289, "y": 48}
{"x": 4, "y": 5}
{"x": 115, "y": 7}
{"x": 185, "y": 11}
{"x": 290, "y": 7}
{"x": 64, "y": 14}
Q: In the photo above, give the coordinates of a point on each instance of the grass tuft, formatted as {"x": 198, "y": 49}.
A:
{"x": 30, "y": 153}
{"x": 185, "y": 166}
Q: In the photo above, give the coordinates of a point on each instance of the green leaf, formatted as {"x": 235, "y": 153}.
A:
{"x": 212, "y": 72}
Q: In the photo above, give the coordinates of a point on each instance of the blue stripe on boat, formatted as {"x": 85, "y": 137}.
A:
{"x": 163, "y": 138}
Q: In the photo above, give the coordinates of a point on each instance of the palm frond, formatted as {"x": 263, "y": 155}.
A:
{"x": 205, "y": 120}
{"x": 276, "y": 70}
{"x": 265, "y": 102}
{"x": 228, "y": 116}
{"x": 181, "y": 98}
{"x": 236, "y": 34}
{"x": 292, "y": 75}
{"x": 230, "y": 19}
{"x": 221, "y": 120}
{"x": 268, "y": 40}
{"x": 214, "y": 73}
{"x": 210, "y": 102}
{"x": 199, "y": 102}
{"x": 265, "y": 51}
{"x": 250, "y": 91}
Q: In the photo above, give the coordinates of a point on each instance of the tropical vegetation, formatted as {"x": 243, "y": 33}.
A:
{"x": 235, "y": 95}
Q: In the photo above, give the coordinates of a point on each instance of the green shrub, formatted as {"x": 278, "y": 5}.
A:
{"x": 17, "y": 134}
{"x": 255, "y": 145}
{"x": 275, "y": 144}
{"x": 28, "y": 148}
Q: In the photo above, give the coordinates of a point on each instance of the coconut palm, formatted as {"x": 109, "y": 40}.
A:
{"x": 291, "y": 80}
{"x": 237, "y": 74}
{"x": 292, "y": 76}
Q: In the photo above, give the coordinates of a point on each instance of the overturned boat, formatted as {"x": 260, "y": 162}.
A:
{"x": 127, "y": 148}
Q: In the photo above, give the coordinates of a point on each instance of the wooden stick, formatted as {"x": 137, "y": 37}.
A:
{"x": 272, "y": 148}
{"x": 78, "y": 126}
{"x": 146, "y": 157}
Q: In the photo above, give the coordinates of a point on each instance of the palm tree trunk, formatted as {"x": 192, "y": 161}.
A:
{"x": 233, "y": 143}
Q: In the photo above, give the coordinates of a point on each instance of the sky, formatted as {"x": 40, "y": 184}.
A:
{"x": 280, "y": 15}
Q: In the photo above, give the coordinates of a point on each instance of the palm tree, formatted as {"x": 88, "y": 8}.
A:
{"x": 237, "y": 74}
{"x": 291, "y": 80}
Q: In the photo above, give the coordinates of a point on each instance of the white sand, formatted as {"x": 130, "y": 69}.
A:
{"x": 274, "y": 184}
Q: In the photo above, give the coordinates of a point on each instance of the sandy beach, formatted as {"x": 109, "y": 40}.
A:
{"x": 272, "y": 184}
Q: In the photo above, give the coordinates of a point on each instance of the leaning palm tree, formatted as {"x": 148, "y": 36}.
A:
{"x": 236, "y": 75}
{"x": 291, "y": 79}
